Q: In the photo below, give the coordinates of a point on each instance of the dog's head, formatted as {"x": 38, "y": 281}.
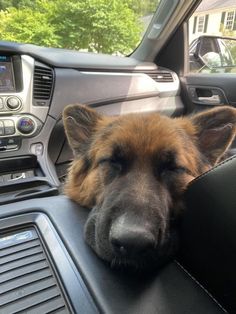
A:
{"x": 132, "y": 171}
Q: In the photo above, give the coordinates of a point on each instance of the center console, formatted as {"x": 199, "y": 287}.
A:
{"x": 25, "y": 93}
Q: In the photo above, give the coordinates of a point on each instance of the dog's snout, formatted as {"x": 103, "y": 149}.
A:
{"x": 131, "y": 241}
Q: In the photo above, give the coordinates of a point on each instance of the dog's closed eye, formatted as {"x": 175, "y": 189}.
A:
{"x": 165, "y": 167}
{"x": 117, "y": 161}
{"x": 166, "y": 164}
{"x": 167, "y": 171}
{"x": 117, "y": 165}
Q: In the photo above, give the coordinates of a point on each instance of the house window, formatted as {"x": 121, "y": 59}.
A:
{"x": 229, "y": 22}
{"x": 201, "y": 21}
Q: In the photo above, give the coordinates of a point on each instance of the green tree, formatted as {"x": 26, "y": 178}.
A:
{"x": 96, "y": 25}
{"x": 4, "y": 4}
{"x": 227, "y": 32}
{"x": 93, "y": 25}
{"x": 143, "y": 8}
{"x": 27, "y": 26}
{"x": 231, "y": 44}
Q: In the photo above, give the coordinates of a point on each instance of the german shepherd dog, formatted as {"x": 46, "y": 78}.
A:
{"x": 132, "y": 170}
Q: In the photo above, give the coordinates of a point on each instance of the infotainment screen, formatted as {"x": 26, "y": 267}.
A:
{"x": 7, "y": 82}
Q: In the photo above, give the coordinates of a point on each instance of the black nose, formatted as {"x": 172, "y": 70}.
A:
{"x": 131, "y": 241}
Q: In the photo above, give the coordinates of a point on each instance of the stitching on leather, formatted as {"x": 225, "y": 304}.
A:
{"x": 201, "y": 286}
{"x": 211, "y": 170}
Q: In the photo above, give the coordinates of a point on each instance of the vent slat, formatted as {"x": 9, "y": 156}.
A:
{"x": 27, "y": 290}
{"x": 20, "y": 247}
{"x": 21, "y": 271}
{"x": 161, "y": 76}
{"x": 43, "y": 88}
{"x": 32, "y": 300}
{"x": 43, "y": 72}
{"x": 21, "y": 262}
{"x": 48, "y": 306}
{"x": 38, "y": 83}
{"x": 40, "y": 78}
{"x": 43, "y": 91}
{"x": 20, "y": 254}
{"x": 18, "y": 282}
{"x": 43, "y": 81}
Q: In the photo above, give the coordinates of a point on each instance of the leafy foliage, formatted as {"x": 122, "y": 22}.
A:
{"x": 230, "y": 44}
{"x": 112, "y": 26}
{"x": 4, "y": 4}
{"x": 23, "y": 26}
{"x": 143, "y": 7}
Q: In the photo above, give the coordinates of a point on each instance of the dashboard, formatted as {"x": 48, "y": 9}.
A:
{"x": 36, "y": 84}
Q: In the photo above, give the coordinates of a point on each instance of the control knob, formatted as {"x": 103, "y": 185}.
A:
{"x": 13, "y": 103}
{"x": 26, "y": 125}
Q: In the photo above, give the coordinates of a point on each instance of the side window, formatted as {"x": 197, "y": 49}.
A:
{"x": 229, "y": 21}
{"x": 212, "y": 37}
{"x": 201, "y": 23}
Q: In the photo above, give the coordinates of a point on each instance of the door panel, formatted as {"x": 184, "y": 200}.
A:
{"x": 205, "y": 91}
{"x": 223, "y": 82}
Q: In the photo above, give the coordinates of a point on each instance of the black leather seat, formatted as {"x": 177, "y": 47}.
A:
{"x": 209, "y": 232}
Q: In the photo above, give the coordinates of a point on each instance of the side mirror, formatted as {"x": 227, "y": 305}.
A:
{"x": 213, "y": 54}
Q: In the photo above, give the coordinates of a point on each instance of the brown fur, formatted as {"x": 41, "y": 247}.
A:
{"x": 141, "y": 134}
{"x": 138, "y": 158}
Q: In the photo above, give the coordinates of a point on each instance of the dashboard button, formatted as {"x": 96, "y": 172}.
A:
{"x": 2, "y": 144}
{"x": 37, "y": 149}
{"x": 1, "y": 104}
{"x": 1, "y": 128}
{"x": 9, "y": 127}
{"x": 12, "y": 143}
{"x": 13, "y": 103}
{"x": 26, "y": 125}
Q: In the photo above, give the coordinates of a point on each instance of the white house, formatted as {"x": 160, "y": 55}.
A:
{"x": 213, "y": 17}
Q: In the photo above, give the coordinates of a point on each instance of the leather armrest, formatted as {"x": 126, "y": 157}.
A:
{"x": 208, "y": 232}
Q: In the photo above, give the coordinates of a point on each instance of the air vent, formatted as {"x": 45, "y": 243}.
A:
{"x": 28, "y": 283}
{"x": 43, "y": 82}
{"x": 161, "y": 76}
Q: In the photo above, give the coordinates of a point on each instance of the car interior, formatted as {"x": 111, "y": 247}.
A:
{"x": 46, "y": 266}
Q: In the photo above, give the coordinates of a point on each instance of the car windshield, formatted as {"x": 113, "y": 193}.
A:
{"x": 102, "y": 26}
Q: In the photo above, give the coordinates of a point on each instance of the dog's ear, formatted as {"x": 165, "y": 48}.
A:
{"x": 216, "y": 129}
{"x": 80, "y": 121}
